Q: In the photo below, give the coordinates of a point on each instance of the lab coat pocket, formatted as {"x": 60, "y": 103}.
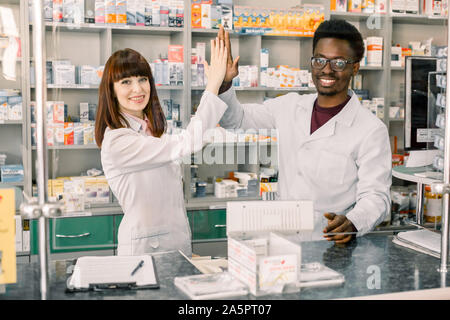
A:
{"x": 151, "y": 240}
{"x": 331, "y": 167}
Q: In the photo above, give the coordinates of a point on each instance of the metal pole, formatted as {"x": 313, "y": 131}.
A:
{"x": 445, "y": 204}
{"x": 419, "y": 203}
{"x": 41, "y": 159}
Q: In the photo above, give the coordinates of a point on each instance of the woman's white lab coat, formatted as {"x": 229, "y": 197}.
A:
{"x": 344, "y": 166}
{"x": 144, "y": 174}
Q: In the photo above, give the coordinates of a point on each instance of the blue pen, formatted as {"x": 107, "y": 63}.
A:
{"x": 138, "y": 267}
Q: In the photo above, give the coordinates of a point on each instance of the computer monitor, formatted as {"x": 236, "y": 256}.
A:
{"x": 416, "y": 101}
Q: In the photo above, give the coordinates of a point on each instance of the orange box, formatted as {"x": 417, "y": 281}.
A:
{"x": 68, "y": 133}
{"x": 338, "y": 5}
{"x": 196, "y": 15}
{"x": 354, "y": 5}
{"x": 175, "y": 53}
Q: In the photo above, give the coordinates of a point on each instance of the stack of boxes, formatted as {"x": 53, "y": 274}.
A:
{"x": 11, "y": 173}
{"x": 170, "y": 70}
{"x": 238, "y": 184}
{"x": 78, "y": 191}
{"x": 60, "y": 130}
{"x": 299, "y": 21}
{"x": 209, "y": 14}
{"x": 10, "y": 105}
{"x": 198, "y": 77}
{"x": 373, "y": 52}
{"x": 430, "y": 7}
{"x": 367, "y": 6}
{"x": 63, "y": 73}
{"x": 164, "y": 13}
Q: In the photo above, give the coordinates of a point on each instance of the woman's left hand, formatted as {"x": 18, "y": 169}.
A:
{"x": 215, "y": 71}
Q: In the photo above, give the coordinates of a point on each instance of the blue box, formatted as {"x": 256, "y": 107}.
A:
{"x": 12, "y": 173}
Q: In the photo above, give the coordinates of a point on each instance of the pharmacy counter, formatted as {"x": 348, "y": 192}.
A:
{"x": 372, "y": 265}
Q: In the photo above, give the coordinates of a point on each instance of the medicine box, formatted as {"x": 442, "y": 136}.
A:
{"x": 354, "y": 5}
{"x": 63, "y": 74}
{"x": 374, "y": 51}
{"x": 89, "y": 11}
{"x": 19, "y": 241}
{"x": 140, "y": 13}
{"x": 12, "y": 173}
{"x": 396, "y": 56}
{"x": 121, "y": 12}
{"x": 156, "y": 15}
{"x": 260, "y": 253}
{"x": 338, "y": 5}
{"x": 100, "y": 13}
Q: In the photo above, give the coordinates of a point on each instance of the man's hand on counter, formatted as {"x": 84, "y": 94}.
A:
{"x": 338, "y": 223}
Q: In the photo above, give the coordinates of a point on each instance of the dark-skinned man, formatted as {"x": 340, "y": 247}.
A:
{"x": 331, "y": 149}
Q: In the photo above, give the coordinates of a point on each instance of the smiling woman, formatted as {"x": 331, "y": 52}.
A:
{"x": 133, "y": 94}
{"x": 128, "y": 86}
{"x": 141, "y": 161}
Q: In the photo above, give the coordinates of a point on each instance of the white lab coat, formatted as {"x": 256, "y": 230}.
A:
{"x": 344, "y": 166}
{"x": 144, "y": 173}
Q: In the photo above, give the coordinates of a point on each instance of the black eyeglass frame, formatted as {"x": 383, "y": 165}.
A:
{"x": 347, "y": 62}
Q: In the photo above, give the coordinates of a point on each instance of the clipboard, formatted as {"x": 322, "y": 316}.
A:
{"x": 104, "y": 273}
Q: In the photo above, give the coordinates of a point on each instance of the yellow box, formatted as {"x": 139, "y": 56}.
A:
{"x": 8, "y": 272}
{"x": 354, "y": 5}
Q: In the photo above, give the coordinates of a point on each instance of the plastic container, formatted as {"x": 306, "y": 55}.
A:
{"x": 433, "y": 206}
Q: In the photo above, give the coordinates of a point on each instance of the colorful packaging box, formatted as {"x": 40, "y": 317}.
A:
{"x": 100, "y": 11}
{"x": 68, "y": 133}
{"x": 110, "y": 11}
{"x": 121, "y": 12}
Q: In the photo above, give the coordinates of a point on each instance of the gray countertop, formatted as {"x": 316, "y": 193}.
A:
{"x": 363, "y": 262}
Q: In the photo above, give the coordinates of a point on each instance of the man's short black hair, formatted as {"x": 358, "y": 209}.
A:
{"x": 341, "y": 29}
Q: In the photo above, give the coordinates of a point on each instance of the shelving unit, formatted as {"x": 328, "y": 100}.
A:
{"x": 92, "y": 44}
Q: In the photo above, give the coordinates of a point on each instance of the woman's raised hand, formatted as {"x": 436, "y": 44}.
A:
{"x": 216, "y": 69}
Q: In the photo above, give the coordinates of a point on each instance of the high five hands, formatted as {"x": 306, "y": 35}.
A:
{"x": 216, "y": 70}
{"x": 232, "y": 65}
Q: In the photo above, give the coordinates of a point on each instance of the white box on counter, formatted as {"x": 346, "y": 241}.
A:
{"x": 259, "y": 253}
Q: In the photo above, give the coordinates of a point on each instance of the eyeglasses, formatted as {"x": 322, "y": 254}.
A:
{"x": 335, "y": 64}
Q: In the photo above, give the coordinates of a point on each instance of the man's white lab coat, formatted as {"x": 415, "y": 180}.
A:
{"x": 144, "y": 174}
{"x": 344, "y": 166}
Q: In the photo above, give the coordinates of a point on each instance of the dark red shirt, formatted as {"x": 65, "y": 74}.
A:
{"x": 320, "y": 115}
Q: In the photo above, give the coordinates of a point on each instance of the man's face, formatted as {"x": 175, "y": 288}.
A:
{"x": 327, "y": 81}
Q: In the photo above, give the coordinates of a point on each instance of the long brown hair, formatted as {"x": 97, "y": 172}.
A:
{"x": 123, "y": 64}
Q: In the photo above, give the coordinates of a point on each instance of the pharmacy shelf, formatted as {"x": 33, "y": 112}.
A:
{"x": 371, "y": 68}
{"x": 235, "y": 34}
{"x": 396, "y": 120}
{"x": 302, "y": 89}
{"x": 145, "y": 30}
{"x": 212, "y": 202}
{"x": 409, "y": 174}
{"x": 356, "y": 16}
{"x": 71, "y": 147}
{"x": 96, "y": 87}
{"x": 70, "y": 86}
{"x": 115, "y": 29}
{"x": 10, "y": 1}
{"x": 12, "y": 184}
{"x": 409, "y": 18}
{"x": 11, "y": 122}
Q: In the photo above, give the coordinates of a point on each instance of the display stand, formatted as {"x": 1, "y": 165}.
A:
{"x": 419, "y": 176}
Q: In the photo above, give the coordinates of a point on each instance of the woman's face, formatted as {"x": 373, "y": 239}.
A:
{"x": 133, "y": 94}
